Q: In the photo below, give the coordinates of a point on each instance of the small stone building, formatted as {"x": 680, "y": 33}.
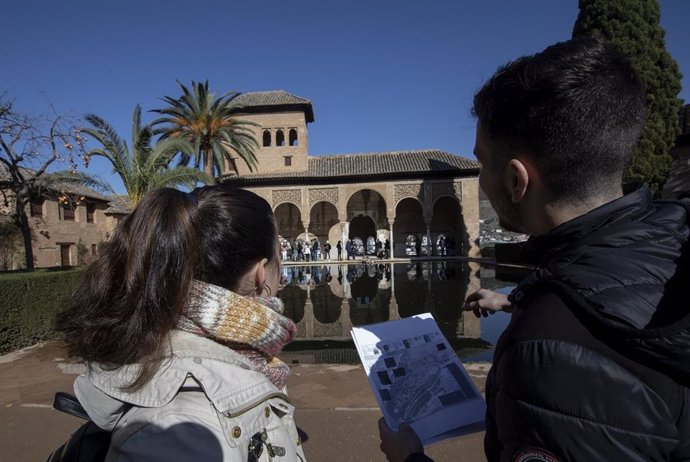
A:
{"x": 67, "y": 228}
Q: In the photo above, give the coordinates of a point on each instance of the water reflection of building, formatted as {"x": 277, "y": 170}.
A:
{"x": 327, "y": 300}
{"x": 428, "y": 196}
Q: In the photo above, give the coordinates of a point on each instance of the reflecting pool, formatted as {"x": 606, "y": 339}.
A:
{"x": 326, "y": 300}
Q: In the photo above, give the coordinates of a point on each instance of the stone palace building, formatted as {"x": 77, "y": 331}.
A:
{"x": 423, "y": 201}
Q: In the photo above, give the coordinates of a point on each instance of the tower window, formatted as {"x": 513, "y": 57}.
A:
{"x": 288, "y": 161}
{"x": 267, "y": 138}
{"x": 280, "y": 138}
{"x": 292, "y": 135}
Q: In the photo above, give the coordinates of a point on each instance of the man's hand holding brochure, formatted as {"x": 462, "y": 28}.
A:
{"x": 418, "y": 379}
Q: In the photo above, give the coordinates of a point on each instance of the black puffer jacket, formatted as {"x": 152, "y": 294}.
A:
{"x": 595, "y": 363}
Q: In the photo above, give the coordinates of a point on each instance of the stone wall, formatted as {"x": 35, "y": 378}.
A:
{"x": 272, "y": 158}
{"x": 53, "y": 233}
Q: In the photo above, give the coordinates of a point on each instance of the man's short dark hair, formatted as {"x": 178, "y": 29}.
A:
{"x": 577, "y": 108}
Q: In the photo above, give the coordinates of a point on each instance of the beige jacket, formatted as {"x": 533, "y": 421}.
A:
{"x": 216, "y": 424}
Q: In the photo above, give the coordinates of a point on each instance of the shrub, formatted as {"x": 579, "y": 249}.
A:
{"x": 29, "y": 304}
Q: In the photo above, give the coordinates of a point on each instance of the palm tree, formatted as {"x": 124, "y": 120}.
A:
{"x": 145, "y": 167}
{"x": 207, "y": 123}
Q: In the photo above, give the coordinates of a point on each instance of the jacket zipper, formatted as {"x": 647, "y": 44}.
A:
{"x": 253, "y": 404}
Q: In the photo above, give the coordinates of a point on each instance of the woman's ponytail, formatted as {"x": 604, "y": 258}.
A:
{"x": 132, "y": 296}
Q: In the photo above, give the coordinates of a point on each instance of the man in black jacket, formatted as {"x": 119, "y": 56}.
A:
{"x": 595, "y": 363}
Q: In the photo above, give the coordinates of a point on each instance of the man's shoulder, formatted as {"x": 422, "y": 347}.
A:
{"x": 545, "y": 317}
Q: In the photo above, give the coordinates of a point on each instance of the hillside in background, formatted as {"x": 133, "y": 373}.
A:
{"x": 489, "y": 230}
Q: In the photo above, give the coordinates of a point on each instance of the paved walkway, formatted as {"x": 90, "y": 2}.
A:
{"x": 335, "y": 408}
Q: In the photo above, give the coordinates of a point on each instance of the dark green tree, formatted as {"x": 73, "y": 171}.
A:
{"x": 633, "y": 26}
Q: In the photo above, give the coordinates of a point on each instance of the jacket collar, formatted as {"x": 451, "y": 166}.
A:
{"x": 637, "y": 200}
{"x": 226, "y": 377}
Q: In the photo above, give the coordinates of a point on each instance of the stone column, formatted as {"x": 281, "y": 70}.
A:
{"x": 343, "y": 238}
{"x": 345, "y": 320}
{"x": 430, "y": 245}
{"x": 309, "y": 318}
{"x": 306, "y": 231}
{"x": 393, "y": 313}
{"x": 390, "y": 239}
{"x": 469, "y": 196}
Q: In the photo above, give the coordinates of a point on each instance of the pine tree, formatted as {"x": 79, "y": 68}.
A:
{"x": 633, "y": 26}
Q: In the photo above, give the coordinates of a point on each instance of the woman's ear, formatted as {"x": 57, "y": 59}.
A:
{"x": 518, "y": 180}
{"x": 259, "y": 271}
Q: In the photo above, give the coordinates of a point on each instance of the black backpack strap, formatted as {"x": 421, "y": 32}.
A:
{"x": 89, "y": 442}
{"x": 69, "y": 404}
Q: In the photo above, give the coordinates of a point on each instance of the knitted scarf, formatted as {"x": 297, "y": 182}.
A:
{"x": 252, "y": 326}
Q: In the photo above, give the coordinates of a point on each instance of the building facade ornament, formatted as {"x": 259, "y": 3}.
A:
{"x": 323, "y": 195}
{"x": 446, "y": 189}
{"x": 403, "y": 191}
{"x": 292, "y": 196}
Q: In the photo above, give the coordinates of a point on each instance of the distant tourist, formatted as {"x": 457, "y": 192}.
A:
{"x": 180, "y": 328}
{"x": 284, "y": 250}
{"x": 339, "y": 247}
{"x": 327, "y": 250}
{"x": 387, "y": 248}
{"x": 595, "y": 363}
{"x": 314, "y": 250}
{"x": 295, "y": 250}
{"x": 349, "y": 249}
{"x": 450, "y": 246}
{"x": 306, "y": 251}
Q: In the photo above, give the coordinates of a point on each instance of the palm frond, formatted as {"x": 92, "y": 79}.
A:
{"x": 65, "y": 178}
{"x": 182, "y": 176}
{"x": 207, "y": 123}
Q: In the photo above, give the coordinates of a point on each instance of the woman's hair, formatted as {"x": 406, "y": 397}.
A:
{"x": 132, "y": 296}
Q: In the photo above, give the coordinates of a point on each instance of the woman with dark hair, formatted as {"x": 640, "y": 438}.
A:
{"x": 179, "y": 328}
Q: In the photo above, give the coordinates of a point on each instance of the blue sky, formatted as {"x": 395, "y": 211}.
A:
{"x": 383, "y": 75}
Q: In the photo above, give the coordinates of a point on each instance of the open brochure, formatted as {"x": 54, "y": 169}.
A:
{"x": 417, "y": 378}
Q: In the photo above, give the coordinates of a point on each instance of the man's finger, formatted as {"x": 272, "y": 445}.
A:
{"x": 384, "y": 429}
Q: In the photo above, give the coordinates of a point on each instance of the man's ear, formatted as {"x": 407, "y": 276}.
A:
{"x": 518, "y": 180}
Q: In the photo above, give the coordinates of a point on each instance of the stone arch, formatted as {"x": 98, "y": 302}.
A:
{"x": 294, "y": 301}
{"x": 371, "y": 203}
{"x": 447, "y": 219}
{"x": 326, "y": 304}
{"x": 267, "y": 138}
{"x": 361, "y": 228}
{"x": 292, "y": 137}
{"x": 411, "y": 289}
{"x": 368, "y": 201}
{"x": 368, "y": 303}
{"x": 289, "y": 220}
{"x": 409, "y": 220}
{"x": 280, "y": 137}
{"x": 323, "y": 217}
